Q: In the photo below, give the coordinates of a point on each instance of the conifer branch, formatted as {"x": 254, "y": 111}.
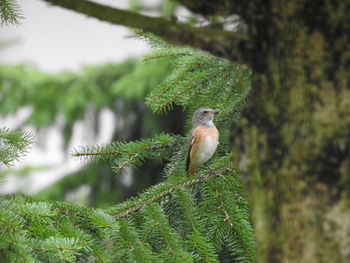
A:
{"x": 212, "y": 40}
{"x": 10, "y": 13}
{"x": 13, "y": 227}
{"x": 13, "y": 145}
{"x": 26, "y": 259}
{"x": 227, "y": 219}
{"x": 147, "y": 58}
{"x": 162, "y": 92}
{"x": 132, "y": 153}
{"x": 200, "y": 83}
{"x": 88, "y": 154}
{"x": 198, "y": 76}
{"x": 170, "y": 189}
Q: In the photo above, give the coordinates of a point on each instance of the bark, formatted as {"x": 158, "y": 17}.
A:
{"x": 296, "y": 129}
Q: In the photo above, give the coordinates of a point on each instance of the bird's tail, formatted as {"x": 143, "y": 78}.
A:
{"x": 192, "y": 169}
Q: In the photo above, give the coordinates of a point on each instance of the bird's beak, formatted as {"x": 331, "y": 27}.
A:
{"x": 215, "y": 111}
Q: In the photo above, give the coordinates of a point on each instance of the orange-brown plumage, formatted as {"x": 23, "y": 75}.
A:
{"x": 203, "y": 143}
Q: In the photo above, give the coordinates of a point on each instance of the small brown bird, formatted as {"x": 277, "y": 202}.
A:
{"x": 203, "y": 140}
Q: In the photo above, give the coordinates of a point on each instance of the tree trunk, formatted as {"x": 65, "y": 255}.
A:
{"x": 295, "y": 133}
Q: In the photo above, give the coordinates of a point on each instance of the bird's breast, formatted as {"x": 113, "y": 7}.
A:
{"x": 206, "y": 144}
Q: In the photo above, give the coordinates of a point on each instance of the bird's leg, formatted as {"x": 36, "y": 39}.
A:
{"x": 213, "y": 172}
{"x": 210, "y": 170}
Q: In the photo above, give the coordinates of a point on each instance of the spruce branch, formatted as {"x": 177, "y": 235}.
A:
{"x": 195, "y": 233}
{"x": 197, "y": 82}
{"x": 197, "y": 77}
{"x": 234, "y": 111}
{"x": 162, "y": 141}
{"x": 5, "y": 221}
{"x": 188, "y": 73}
{"x": 235, "y": 215}
{"x": 167, "y": 189}
{"x": 10, "y": 13}
{"x": 131, "y": 246}
{"x": 23, "y": 257}
{"x": 13, "y": 145}
{"x": 227, "y": 219}
{"x": 151, "y": 57}
{"x": 197, "y": 88}
{"x": 123, "y": 154}
{"x": 157, "y": 224}
{"x": 212, "y": 40}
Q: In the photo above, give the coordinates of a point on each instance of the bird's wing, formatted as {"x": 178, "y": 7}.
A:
{"x": 190, "y": 143}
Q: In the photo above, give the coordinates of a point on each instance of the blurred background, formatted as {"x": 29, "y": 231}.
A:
{"x": 78, "y": 81}
{"x": 72, "y": 80}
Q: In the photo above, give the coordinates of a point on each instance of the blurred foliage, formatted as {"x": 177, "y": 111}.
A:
{"x": 10, "y": 12}
{"x": 70, "y": 94}
{"x": 166, "y": 8}
{"x": 120, "y": 87}
{"x": 13, "y": 145}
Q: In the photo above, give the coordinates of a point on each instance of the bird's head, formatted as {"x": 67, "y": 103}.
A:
{"x": 204, "y": 116}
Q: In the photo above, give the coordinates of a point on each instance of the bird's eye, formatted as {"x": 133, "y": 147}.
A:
{"x": 205, "y": 112}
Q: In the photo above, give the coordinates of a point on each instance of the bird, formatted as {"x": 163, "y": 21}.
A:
{"x": 204, "y": 139}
